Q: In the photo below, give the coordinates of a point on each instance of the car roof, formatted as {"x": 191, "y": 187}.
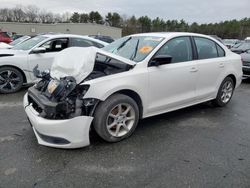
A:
{"x": 76, "y": 36}
{"x": 170, "y": 34}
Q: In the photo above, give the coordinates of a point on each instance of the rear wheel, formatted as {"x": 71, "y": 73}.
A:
{"x": 11, "y": 80}
{"x": 116, "y": 118}
{"x": 225, "y": 92}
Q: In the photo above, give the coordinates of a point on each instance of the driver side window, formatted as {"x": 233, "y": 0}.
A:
{"x": 55, "y": 45}
{"x": 180, "y": 49}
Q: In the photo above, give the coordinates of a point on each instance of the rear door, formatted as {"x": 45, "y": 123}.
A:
{"x": 211, "y": 66}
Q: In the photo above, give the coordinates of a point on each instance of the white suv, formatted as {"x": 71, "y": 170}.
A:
{"x": 135, "y": 77}
{"x": 17, "y": 64}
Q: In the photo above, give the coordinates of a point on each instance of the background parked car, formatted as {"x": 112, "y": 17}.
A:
{"x": 16, "y": 36}
{"x": 247, "y": 39}
{"x": 107, "y": 39}
{"x": 230, "y": 42}
{"x": 5, "y": 37}
{"x": 243, "y": 47}
{"x": 17, "y": 64}
{"x": 246, "y": 63}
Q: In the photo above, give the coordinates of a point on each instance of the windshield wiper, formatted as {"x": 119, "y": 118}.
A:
{"x": 122, "y": 44}
{"x": 135, "y": 51}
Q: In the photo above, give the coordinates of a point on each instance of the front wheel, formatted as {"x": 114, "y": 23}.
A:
{"x": 11, "y": 80}
{"x": 225, "y": 92}
{"x": 116, "y": 118}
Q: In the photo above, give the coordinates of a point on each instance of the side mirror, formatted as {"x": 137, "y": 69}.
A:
{"x": 161, "y": 60}
{"x": 39, "y": 50}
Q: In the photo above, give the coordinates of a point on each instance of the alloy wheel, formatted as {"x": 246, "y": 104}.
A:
{"x": 9, "y": 80}
{"x": 227, "y": 91}
{"x": 120, "y": 120}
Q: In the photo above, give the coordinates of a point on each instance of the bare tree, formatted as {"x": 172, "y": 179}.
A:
{"x": 6, "y": 15}
{"x": 18, "y": 14}
{"x": 66, "y": 17}
{"x": 57, "y": 18}
{"x": 42, "y": 16}
{"x": 32, "y": 13}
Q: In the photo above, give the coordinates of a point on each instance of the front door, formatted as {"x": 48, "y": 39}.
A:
{"x": 44, "y": 60}
{"x": 173, "y": 85}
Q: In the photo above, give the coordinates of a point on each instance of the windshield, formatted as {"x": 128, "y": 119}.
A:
{"x": 19, "y": 40}
{"x": 135, "y": 48}
{"x": 29, "y": 44}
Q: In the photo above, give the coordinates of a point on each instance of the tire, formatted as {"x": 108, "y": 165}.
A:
{"x": 225, "y": 92}
{"x": 116, "y": 118}
{"x": 11, "y": 80}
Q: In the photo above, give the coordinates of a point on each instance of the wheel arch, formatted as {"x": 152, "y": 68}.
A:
{"x": 233, "y": 78}
{"x": 22, "y": 72}
{"x": 135, "y": 96}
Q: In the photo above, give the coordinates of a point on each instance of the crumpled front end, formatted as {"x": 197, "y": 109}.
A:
{"x": 68, "y": 133}
{"x": 58, "y": 114}
{"x": 56, "y": 106}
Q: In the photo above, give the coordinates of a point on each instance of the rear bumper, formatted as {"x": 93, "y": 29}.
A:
{"x": 69, "y": 133}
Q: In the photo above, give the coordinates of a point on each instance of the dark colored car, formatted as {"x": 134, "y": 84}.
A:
{"x": 107, "y": 39}
{"x": 16, "y": 36}
{"x": 246, "y": 64}
{"x": 5, "y": 37}
{"x": 243, "y": 47}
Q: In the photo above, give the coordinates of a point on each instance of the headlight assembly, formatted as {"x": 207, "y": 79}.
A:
{"x": 52, "y": 86}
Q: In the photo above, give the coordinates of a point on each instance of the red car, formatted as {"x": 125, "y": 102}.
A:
{"x": 4, "y": 37}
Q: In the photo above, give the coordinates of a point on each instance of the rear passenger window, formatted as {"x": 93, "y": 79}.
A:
{"x": 179, "y": 49}
{"x": 206, "y": 48}
{"x": 79, "y": 42}
{"x": 221, "y": 52}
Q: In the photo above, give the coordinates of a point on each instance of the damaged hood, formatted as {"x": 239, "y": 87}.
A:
{"x": 79, "y": 62}
{"x": 11, "y": 52}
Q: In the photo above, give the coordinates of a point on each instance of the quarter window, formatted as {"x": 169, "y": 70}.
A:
{"x": 179, "y": 49}
{"x": 221, "y": 52}
{"x": 206, "y": 48}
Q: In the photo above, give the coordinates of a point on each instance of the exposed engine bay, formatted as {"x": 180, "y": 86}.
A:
{"x": 63, "y": 98}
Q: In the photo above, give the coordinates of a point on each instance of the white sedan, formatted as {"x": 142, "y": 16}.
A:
{"x": 17, "y": 64}
{"x": 135, "y": 77}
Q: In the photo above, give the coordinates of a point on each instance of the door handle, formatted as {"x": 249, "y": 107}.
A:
{"x": 193, "y": 69}
{"x": 221, "y": 65}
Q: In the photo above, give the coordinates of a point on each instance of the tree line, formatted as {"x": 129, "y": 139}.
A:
{"x": 130, "y": 25}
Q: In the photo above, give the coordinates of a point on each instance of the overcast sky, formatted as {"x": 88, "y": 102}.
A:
{"x": 201, "y": 11}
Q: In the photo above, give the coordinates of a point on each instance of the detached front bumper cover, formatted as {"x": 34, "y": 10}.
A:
{"x": 69, "y": 133}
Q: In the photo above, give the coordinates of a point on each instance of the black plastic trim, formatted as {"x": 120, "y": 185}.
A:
{"x": 53, "y": 139}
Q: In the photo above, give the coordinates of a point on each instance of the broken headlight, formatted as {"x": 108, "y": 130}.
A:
{"x": 54, "y": 86}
